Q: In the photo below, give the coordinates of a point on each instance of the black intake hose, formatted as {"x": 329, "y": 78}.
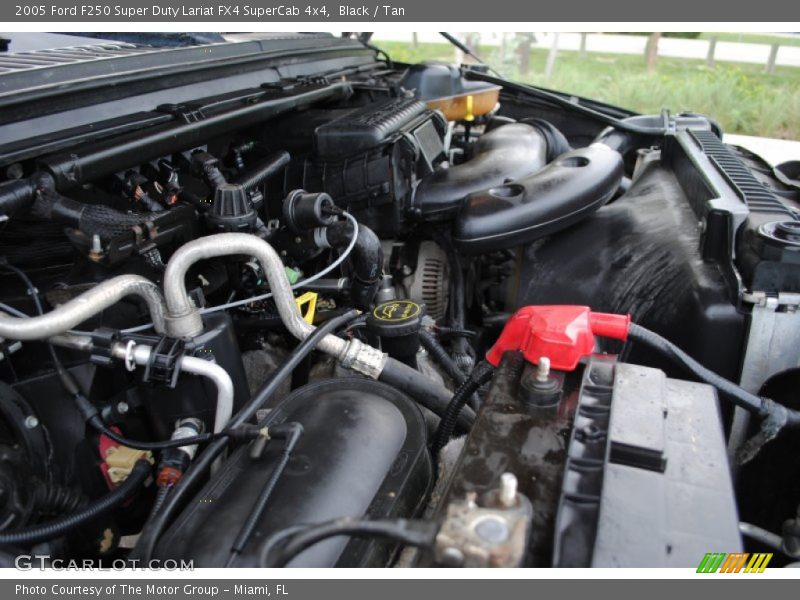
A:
{"x": 90, "y": 512}
{"x": 366, "y": 259}
{"x": 562, "y": 193}
{"x": 511, "y": 151}
{"x": 557, "y": 143}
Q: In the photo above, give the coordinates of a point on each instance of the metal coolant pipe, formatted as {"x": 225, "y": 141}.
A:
{"x": 133, "y": 355}
{"x": 139, "y": 354}
{"x": 70, "y": 314}
{"x": 183, "y": 319}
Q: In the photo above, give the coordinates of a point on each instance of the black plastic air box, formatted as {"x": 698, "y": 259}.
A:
{"x": 369, "y": 159}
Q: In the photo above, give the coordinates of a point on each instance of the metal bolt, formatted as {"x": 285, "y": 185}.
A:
{"x": 543, "y": 369}
{"x": 122, "y": 408}
{"x": 452, "y": 557}
{"x": 493, "y": 529}
{"x": 97, "y": 245}
{"x": 31, "y": 422}
{"x": 508, "y": 490}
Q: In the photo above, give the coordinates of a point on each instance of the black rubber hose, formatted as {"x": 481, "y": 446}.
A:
{"x": 92, "y": 416}
{"x": 442, "y": 358}
{"x": 291, "y": 432}
{"x": 158, "y": 445}
{"x": 468, "y": 333}
{"x": 52, "y": 499}
{"x": 96, "y": 219}
{"x": 16, "y": 196}
{"x": 440, "y": 355}
{"x": 624, "y": 141}
{"x": 404, "y": 531}
{"x": 195, "y": 473}
{"x": 20, "y": 194}
{"x": 264, "y": 170}
{"x": 428, "y": 393}
{"x": 151, "y": 204}
{"x": 162, "y": 494}
{"x": 161, "y": 497}
{"x": 737, "y": 394}
{"x": 91, "y": 219}
{"x": 480, "y": 374}
{"x": 276, "y": 539}
{"x": 90, "y": 512}
{"x": 366, "y": 259}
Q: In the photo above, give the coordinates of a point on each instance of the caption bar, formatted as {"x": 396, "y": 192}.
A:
{"x": 90, "y": 12}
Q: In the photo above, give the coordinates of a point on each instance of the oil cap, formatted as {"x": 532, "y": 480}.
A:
{"x": 394, "y": 325}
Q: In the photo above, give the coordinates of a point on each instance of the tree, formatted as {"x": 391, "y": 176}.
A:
{"x": 551, "y": 58}
{"x": 524, "y": 42}
{"x": 651, "y": 51}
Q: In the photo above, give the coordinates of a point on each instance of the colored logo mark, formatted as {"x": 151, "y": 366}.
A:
{"x": 736, "y": 562}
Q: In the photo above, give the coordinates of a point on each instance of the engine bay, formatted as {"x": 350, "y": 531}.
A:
{"x": 282, "y": 303}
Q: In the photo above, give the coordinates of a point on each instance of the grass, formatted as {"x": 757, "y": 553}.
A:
{"x": 742, "y": 97}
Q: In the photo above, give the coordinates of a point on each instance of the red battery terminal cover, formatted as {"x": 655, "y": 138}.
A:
{"x": 562, "y": 333}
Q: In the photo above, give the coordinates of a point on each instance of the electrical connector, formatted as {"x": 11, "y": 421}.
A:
{"x": 564, "y": 334}
{"x": 119, "y": 460}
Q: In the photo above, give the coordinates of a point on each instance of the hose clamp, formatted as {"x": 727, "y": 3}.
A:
{"x": 363, "y": 359}
{"x": 184, "y": 326}
{"x": 130, "y": 362}
{"x": 321, "y": 238}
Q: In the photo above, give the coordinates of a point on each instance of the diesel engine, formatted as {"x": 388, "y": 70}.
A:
{"x": 281, "y": 302}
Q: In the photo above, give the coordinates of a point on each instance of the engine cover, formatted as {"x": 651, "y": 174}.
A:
{"x": 363, "y": 453}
